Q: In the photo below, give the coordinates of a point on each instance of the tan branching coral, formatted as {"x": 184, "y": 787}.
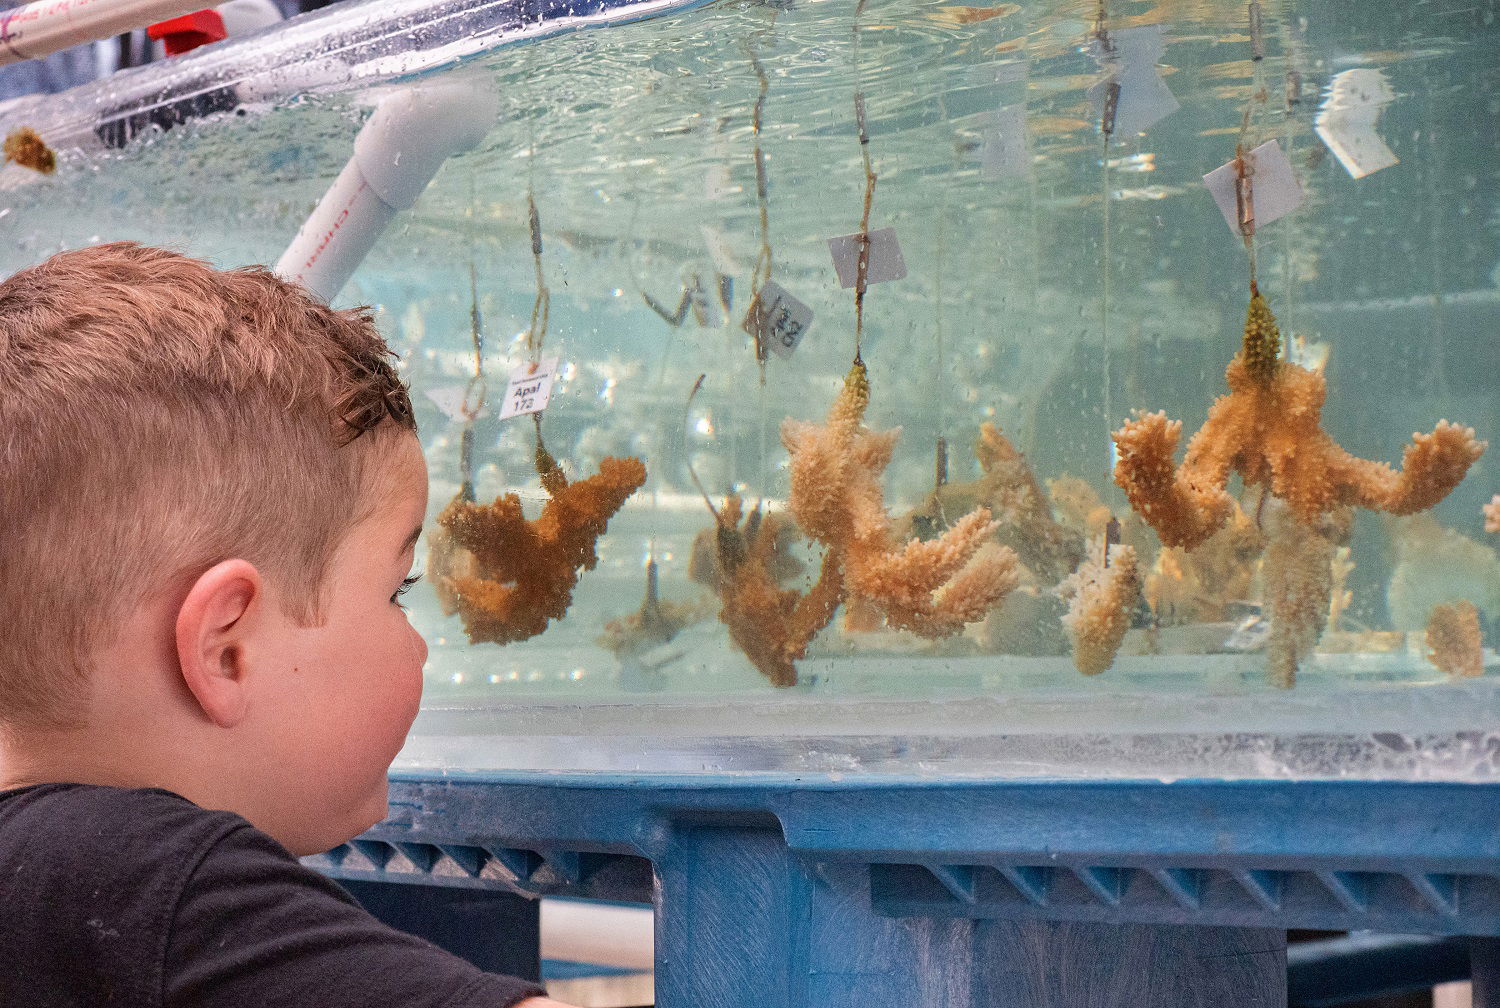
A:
{"x": 1078, "y": 504}
{"x": 1454, "y": 639}
{"x": 506, "y": 577}
{"x": 771, "y": 625}
{"x": 1267, "y": 430}
{"x": 1297, "y": 575}
{"x": 1102, "y": 595}
{"x": 1009, "y": 489}
{"x": 1203, "y": 585}
{"x": 1433, "y": 565}
{"x": 930, "y": 588}
{"x": 705, "y": 562}
{"x": 27, "y": 149}
{"x": 1492, "y": 514}
{"x": 1339, "y": 596}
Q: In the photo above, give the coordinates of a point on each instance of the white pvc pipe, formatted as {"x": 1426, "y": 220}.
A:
{"x": 599, "y": 933}
{"x": 33, "y": 30}
{"x": 413, "y": 130}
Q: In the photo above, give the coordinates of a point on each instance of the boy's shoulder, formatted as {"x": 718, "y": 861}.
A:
{"x": 90, "y": 877}
{"x": 140, "y": 897}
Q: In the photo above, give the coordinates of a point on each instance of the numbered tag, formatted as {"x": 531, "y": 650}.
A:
{"x": 1346, "y": 121}
{"x": 529, "y": 388}
{"x": 1143, "y": 98}
{"x": 1274, "y": 188}
{"x": 777, "y": 320}
{"x": 885, "y": 262}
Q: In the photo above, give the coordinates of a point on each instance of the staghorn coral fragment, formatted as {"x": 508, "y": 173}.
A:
{"x": 1454, "y": 640}
{"x": 1267, "y": 430}
{"x": 1433, "y": 565}
{"x": 1339, "y": 596}
{"x": 1205, "y": 584}
{"x": 519, "y": 574}
{"x": 1009, "y": 489}
{"x": 931, "y": 588}
{"x": 27, "y": 149}
{"x": 771, "y": 625}
{"x": 1078, "y": 504}
{"x": 1101, "y": 597}
{"x": 1492, "y": 514}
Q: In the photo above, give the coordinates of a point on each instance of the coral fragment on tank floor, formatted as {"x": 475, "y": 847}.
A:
{"x": 1267, "y": 430}
{"x": 519, "y": 574}
{"x": 1101, "y": 598}
{"x": 931, "y": 588}
{"x": 656, "y": 622}
{"x": 1454, "y": 641}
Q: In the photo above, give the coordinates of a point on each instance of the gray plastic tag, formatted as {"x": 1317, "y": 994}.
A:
{"x": 885, "y": 261}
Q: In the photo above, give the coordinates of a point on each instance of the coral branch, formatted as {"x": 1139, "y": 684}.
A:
{"x": 930, "y": 588}
{"x": 771, "y": 625}
{"x": 1267, "y": 430}
{"x": 1454, "y": 639}
{"x": 507, "y": 577}
{"x": 1297, "y": 571}
{"x": 1009, "y": 489}
{"x": 1492, "y": 514}
{"x": 1101, "y": 600}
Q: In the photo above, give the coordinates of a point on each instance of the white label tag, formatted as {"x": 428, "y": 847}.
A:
{"x": 450, "y": 399}
{"x": 1346, "y": 121}
{"x": 529, "y": 388}
{"x": 1144, "y": 98}
{"x": 885, "y": 261}
{"x": 1273, "y": 187}
{"x": 777, "y": 320}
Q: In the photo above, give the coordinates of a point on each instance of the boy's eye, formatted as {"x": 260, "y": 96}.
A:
{"x": 405, "y": 584}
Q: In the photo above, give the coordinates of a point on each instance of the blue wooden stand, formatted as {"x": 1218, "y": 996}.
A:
{"x": 792, "y": 891}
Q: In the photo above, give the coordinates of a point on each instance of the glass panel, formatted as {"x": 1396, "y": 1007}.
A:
{"x": 1066, "y": 270}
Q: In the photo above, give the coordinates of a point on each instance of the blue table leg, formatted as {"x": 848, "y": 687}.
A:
{"x": 1484, "y": 971}
{"x": 742, "y": 923}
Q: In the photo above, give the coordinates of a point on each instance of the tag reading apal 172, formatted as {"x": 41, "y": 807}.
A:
{"x": 529, "y": 388}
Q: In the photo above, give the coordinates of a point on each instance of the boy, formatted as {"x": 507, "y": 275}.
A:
{"x": 210, "y": 495}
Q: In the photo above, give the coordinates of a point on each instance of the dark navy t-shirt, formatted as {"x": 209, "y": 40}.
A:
{"x": 115, "y": 897}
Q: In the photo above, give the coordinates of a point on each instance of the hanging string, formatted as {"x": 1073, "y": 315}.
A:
{"x": 1107, "y": 129}
{"x": 540, "y": 309}
{"x": 863, "y": 270}
{"x": 763, "y": 262}
{"x": 475, "y": 392}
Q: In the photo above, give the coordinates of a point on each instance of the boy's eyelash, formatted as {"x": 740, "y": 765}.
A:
{"x": 406, "y": 583}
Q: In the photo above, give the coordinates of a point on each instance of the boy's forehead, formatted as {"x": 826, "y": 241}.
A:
{"x": 398, "y": 486}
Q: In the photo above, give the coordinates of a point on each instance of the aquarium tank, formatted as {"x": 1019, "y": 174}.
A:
{"x": 1088, "y": 388}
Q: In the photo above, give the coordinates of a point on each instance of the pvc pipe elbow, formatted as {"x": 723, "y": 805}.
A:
{"x": 398, "y": 151}
{"x": 415, "y": 129}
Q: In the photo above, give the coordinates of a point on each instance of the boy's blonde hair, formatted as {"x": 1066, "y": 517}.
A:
{"x": 158, "y": 416}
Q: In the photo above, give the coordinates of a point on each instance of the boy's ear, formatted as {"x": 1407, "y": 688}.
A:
{"x": 211, "y": 630}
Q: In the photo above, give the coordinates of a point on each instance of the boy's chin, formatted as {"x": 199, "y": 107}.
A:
{"x": 322, "y": 834}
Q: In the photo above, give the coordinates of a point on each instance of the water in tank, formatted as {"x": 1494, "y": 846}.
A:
{"x": 1072, "y": 387}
